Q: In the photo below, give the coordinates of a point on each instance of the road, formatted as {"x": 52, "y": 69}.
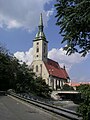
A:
{"x": 14, "y": 109}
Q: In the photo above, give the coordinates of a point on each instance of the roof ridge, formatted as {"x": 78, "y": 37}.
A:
{"x": 52, "y": 60}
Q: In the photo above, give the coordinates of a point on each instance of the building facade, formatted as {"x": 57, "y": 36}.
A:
{"x": 54, "y": 75}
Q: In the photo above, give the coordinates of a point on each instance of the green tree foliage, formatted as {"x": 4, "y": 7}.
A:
{"x": 27, "y": 82}
{"x": 41, "y": 88}
{"x": 6, "y": 70}
{"x": 84, "y": 108}
{"x": 73, "y": 18}
{"x": 19, "y": 77}
{"x": 24, "y": 79}
{"x": 67, "y": 87}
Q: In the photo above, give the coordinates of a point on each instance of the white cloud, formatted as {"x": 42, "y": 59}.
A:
{"x": 60, "y": 56}
{"x": 23, "y": 13}
{"x": 56, "y": 54}
{"x": 13, "y": 23}
{"x": 26, "y": 57}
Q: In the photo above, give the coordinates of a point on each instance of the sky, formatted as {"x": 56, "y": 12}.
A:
{"x": 19, "y": 21}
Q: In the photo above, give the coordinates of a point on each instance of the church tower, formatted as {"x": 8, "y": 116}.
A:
{"x": 40, "y": 44}
{"x": 48, "y": 69}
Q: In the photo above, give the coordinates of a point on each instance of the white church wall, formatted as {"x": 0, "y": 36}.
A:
{"x": 42, "y": 71}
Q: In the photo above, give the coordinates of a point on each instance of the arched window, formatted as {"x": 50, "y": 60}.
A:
{"x": 37, "y": 49}
{"x": 36, "y": 68}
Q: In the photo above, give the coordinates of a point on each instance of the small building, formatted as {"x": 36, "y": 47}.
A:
{"x": 75, "y": 85}
{"x": 48, "y": 69}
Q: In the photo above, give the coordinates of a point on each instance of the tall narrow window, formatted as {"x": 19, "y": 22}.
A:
{"x": 41, "y": 70}
{"x": 37, "y": 49}
{"x": 36, "y": 68}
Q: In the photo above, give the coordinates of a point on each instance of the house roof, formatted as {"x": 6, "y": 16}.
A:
{"x": 73, "y": 84}
{"x": 55, "y": 70}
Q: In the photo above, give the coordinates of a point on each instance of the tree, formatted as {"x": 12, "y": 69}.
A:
{"x": 6, "y": 74}
{"x": 9, "y": 66}
{"x": 19, "y": 77}
{"x": 73, "y": 18}
{"x": 13, "y": 75}
{"x": 25, "y": 78}
{"x": 41, "y": 88}
{"x": 84, "y": 107}
{"x": 26, "y": 81}
{"x": 67, "y": 87}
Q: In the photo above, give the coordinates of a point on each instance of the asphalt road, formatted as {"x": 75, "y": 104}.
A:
{"x": 14, "y": 109}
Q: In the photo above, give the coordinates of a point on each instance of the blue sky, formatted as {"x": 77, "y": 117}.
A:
{"x": 18, "y": 26}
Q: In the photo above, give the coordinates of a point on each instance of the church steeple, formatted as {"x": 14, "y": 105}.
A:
{"x": 41, "y": 24}
{"x": 40, "y": 44}
{"x": 40, "y": 34}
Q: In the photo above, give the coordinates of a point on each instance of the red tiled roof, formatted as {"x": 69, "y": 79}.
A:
{"x": 53, "y": 63}
{"x": 55, "y": 70}
{"x": 73, "y": 84}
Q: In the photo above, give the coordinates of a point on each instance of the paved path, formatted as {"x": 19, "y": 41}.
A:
{"x": 13, "y": 109}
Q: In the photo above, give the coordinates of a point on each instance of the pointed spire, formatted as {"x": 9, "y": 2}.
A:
{"x": 41, "y": 20}
{"x": 41, "y": 23}
{"x": 40, "y": 34}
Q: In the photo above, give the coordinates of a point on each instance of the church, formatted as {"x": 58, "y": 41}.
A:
{"x": 48, "y": 69}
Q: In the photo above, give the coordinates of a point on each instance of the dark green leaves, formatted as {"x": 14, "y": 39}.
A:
{"x": 84, "y": 108}
{"x": 73, "y": 18}
{"x": 19, "y": 77}
{"x": 67, "y": 88}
